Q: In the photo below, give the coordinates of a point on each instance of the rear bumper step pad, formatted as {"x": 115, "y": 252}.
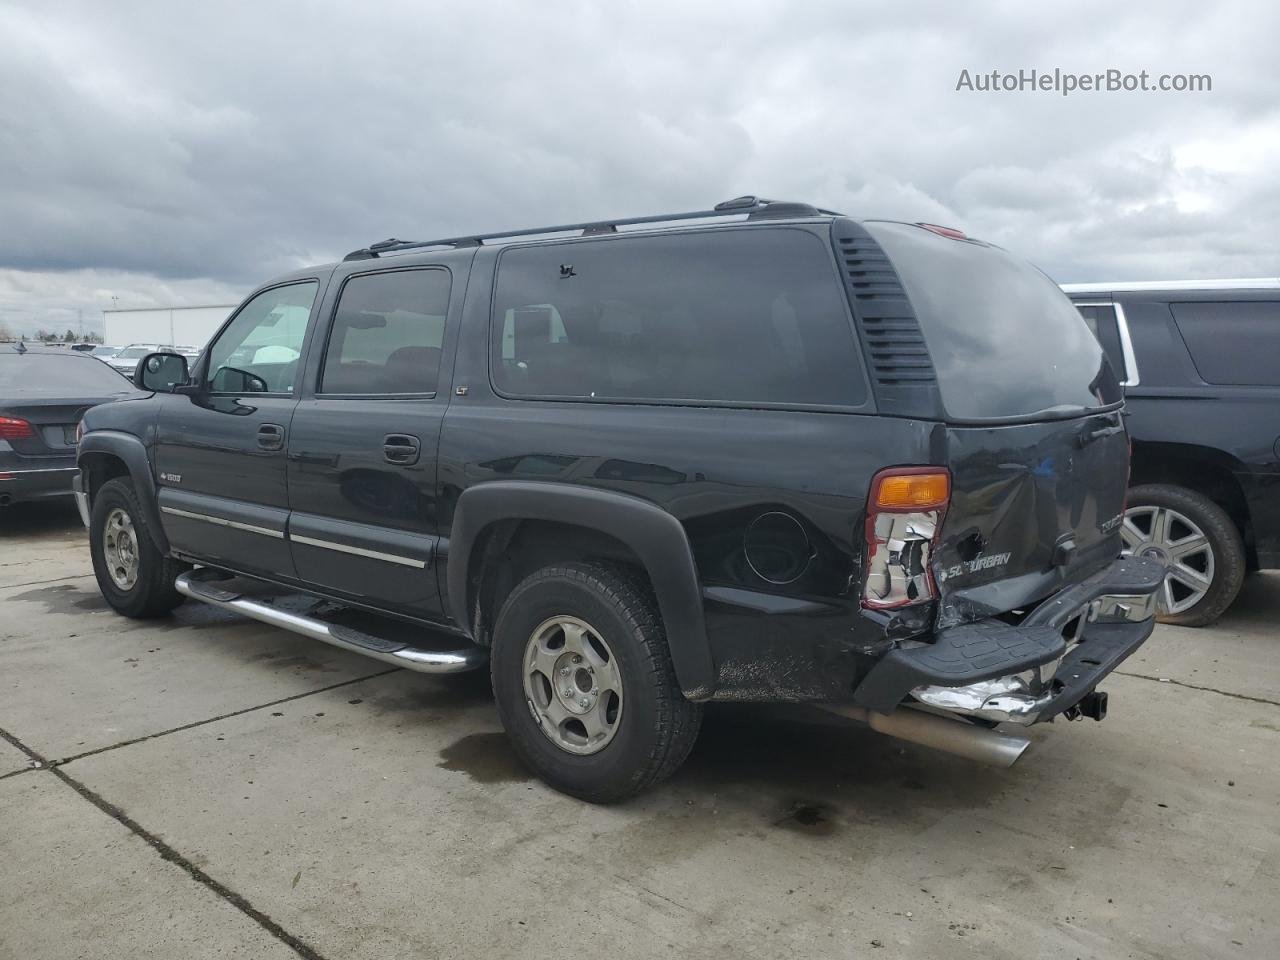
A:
{"x": 988, "y": 649}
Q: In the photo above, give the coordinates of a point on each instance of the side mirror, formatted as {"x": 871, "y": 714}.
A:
{"x": 160, "y": 371}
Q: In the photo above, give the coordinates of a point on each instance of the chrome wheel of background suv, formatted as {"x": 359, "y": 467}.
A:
{"x": 573, "y": 685}
{"x": 1170, "y": 536}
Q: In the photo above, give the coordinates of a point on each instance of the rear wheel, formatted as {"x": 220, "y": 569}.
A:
{"x": 584, "y": 683}
{"x": 1198, "y": 541}
{"x": 135, "y": 578}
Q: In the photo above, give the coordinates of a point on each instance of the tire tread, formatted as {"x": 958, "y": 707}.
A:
{"x": 156, "y": 573}
{"x": 678, "y": 719}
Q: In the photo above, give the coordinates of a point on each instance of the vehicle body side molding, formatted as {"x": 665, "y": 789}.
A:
{"x": 656, "y": 537}
{"x": 128, "y": 449}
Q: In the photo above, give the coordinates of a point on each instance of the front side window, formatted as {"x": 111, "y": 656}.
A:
{"x": 259, "y": 351}
{"x": 388, "y": 331}
{"x": 742, "y": 316}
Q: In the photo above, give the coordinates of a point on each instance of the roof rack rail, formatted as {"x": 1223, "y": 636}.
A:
{"x": 755, "y": 208}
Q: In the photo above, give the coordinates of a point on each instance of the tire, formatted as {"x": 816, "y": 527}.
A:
{"x": 1220, "y": 561}
{"x": 150, "y": 593}
{"x": 615, "y": 620}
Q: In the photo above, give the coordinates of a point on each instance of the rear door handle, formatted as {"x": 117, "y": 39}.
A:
{"x": 401, "y": 448}
{"x": 1086, "y": 436}
{"x": 270, "y": 436}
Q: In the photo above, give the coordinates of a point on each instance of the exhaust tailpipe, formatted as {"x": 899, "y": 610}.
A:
{"x": 959, "y": 737}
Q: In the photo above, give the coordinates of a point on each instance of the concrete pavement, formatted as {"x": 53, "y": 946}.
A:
{"x": 221, "y": 788}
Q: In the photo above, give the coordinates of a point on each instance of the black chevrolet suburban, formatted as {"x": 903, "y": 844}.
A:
{"x": 1200, "y": 364}
{"x": 759, "y": 452}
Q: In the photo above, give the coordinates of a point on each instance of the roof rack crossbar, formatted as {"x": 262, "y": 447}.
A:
{"x": 734, "y": 207}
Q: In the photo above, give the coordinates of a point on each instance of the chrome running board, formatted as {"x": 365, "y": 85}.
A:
{"x": 468, "y": 657}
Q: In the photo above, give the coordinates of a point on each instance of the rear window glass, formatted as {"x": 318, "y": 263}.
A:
{"x": 1005, "y": 341}
{"x": 50, "y": 373}
{"x": 1101, "y": 319}
{"x": 749, "y": 316}
{"x": 1233, "y": 342}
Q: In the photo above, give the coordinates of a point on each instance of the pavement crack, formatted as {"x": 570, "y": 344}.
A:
{"x": 224, "y": 716}
{"x": 1197, "y": 686}
{"x": 19, "y": 745}
{"x": 169, "y": 854}
{"x": 36, "y": 583}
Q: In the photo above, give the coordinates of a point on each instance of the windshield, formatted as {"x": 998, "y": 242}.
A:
{"x": 73, "y": 375}
{"x": 135, "y": 353}
{"x": 1004, "y": 340}
{"x": 104, "y": 351}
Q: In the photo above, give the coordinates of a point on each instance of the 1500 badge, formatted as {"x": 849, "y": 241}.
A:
{"x": 985, "y": 562}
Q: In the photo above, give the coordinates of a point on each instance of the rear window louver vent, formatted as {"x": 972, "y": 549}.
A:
{"x": 895, "y": 347}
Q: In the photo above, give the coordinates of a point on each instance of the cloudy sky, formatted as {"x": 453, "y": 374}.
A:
{"x": 168, "y": 153}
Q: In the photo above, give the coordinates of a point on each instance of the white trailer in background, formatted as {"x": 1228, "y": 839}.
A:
{"x": 175, "y": 326}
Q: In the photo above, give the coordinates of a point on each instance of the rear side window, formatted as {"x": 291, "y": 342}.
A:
{"x": 744, "y": 316}
{"x": 1101, "y": 319}
{"x": 1004, "y": 339}
{"x": 1233, "y": 342}
{"x": 387, "y": 333}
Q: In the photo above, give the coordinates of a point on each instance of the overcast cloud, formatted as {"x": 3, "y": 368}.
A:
{"x": 180, "y": 153}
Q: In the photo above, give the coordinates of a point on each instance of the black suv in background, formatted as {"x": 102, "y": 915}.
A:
{"x": 1200, "y": 362}
{"x": 759, "y": 452}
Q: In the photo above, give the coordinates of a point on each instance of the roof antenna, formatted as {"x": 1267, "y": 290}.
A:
{"x": 22, "y": 347}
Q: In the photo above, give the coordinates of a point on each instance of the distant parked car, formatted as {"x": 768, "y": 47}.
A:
{"x": 1200, "y": 361}
{"x": 126, "y": 359}
{"x": 43, "y": 395}
{"x": 83, "y": 347}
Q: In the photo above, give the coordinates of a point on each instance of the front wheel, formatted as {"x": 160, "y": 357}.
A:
{"x": 135, "y": 578}
{"x": 1197, "y": 540}
{"x": 584, "y": 683}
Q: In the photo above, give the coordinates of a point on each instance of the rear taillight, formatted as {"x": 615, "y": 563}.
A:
{"x": 904, "y": 516}
{"x": 15, "y": 428}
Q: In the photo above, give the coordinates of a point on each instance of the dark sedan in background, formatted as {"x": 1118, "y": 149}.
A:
{"x": 43, "y": 395}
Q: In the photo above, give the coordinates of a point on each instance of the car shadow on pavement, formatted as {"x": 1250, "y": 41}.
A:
{"x": 1258, "y": 603}
{"x": 41, "y": 517}
{"x": 811, "y": 771}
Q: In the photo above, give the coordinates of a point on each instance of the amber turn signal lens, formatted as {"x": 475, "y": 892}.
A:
{"x": 924, "y": 490}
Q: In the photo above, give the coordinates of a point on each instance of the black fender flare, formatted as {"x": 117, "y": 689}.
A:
{"x": 130, "y": 451}
{"x": 657, "y": 538}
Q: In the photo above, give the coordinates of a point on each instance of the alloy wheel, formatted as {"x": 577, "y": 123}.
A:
{"x": 1166, "y": 534}
{"x": 573, "y": 685}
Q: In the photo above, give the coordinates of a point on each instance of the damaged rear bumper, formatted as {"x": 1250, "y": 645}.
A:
{"x": 1029, "y": 672}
